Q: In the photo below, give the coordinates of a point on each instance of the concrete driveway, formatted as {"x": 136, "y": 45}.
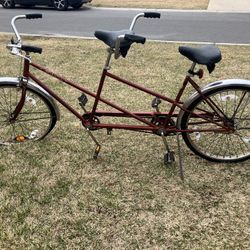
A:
{"x": 229, "y": 5}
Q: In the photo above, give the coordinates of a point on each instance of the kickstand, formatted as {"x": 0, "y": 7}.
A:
{"x": 98, "y": 146}
{"x": 169, "y": 155}
{"x": 180, "y": 157}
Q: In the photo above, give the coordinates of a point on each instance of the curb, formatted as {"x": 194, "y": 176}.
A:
{"x": 149, "y": 40}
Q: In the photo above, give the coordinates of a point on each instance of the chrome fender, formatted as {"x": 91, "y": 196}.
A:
{"x": 212, "y": 86}
{"x": 35, "y": 87}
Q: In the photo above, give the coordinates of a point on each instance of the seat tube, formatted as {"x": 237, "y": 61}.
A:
{"x": 177, "y": 99}
{"x": 99, "y": 91}
{"x": 180, "y": 93}
{"x": 101, "y": 83}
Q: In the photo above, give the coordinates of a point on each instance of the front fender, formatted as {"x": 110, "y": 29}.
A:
{"x": 35, "y": 87}
{"x": 212, "y": 86}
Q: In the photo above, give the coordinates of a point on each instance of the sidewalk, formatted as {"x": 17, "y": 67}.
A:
{"x": 229, "y": 5}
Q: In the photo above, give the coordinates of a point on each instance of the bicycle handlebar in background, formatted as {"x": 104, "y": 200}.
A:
{"x": 152, "y": 14}
{"x": 146, "y": 15}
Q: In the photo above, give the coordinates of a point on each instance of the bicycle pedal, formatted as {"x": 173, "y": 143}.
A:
{"x": 83, "y": 100}
{"x": 169, "y": 158}
{"x": 97, "y": 151}
{"x": 109, "y": 131}
{"x": 156, "y": 102}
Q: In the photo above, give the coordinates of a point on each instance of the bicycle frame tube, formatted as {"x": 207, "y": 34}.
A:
{"x": 175, "y": 103}
{"x": 141, "y": 117}
{"x": 84, "y": 90}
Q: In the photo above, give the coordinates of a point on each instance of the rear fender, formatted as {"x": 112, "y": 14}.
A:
{"x": 212, "y": 86}
{"x": 15, "y": 81}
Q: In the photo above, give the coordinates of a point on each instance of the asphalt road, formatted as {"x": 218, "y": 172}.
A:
{"x": 194, "y": 26}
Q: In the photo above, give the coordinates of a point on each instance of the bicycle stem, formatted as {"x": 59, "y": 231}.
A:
{"x": 117, "y": 46}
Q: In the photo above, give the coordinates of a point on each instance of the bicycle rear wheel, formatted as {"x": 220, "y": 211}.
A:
{"x": 36, "y": 119}
{"x": 221, "y": 146}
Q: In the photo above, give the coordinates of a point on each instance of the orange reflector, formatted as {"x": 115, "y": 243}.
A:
{"x": 20, "y": 138}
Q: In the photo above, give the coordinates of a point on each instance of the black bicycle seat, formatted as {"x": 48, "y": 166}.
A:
{"x": 110, "y": 37}
{"x": 207, "y": 55}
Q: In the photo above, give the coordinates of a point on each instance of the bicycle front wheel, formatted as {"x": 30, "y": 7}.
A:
{"x": 207, "y": 139}
{"x": 36, "y": 119}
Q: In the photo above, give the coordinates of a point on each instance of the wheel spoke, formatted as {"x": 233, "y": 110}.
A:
{"x": 35, "y": 120}
{"x": 229, "y": 145}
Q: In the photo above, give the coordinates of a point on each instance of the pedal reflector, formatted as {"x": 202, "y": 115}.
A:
{"x": 20, "y": 138}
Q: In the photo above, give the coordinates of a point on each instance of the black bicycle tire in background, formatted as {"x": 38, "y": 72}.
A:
{"x": 37, "y": 118}
{"x": 220, "y": 147}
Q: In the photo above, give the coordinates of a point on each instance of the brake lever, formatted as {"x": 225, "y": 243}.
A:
{"x": 15, "y": 50}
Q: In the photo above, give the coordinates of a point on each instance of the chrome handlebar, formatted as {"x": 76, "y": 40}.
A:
{"x": 16, "y": 45}
{"x": 146, "y": 15}
{"x": 131, "y": 28}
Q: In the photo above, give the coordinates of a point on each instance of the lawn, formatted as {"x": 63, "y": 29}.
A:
{"x": 54, "y": 196}
{"x": 164, "y": 4}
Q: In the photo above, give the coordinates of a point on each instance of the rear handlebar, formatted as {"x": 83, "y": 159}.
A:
{"x": 146, "y": 15}
{"x": 152, "y": 14}
{"x": 134, "y": 38}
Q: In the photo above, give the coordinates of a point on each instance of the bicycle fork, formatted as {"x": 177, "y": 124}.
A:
{"x": 16, "y": 112}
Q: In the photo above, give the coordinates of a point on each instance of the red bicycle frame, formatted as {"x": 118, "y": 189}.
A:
{"x": 156, "y": 122}
{"x": 164, "y": 127}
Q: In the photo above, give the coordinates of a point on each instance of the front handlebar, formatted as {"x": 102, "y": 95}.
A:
{"x": 27, "y": 16}
{"x": 33, "y": 16}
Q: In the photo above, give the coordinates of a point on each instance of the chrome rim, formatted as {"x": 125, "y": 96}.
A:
{"x": 235, "y": 103}
{"x": 7, "y": 3}
{"x": 33, "y": 122}
{"x": 59, "y": 4}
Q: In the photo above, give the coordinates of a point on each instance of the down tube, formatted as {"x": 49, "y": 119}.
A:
{"x": 52, "y": 93}
{"x": 66, "y": 105}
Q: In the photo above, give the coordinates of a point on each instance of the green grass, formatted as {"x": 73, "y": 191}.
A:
{"x": 54, "y": 196}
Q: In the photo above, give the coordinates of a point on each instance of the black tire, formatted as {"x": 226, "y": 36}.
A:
{"x": 8, "y": 4}
{"x": 216, "y": 146}
{"x": 36, "y": 119}
{"x": 60, "y": 4}
{"x": 77, "y": 6}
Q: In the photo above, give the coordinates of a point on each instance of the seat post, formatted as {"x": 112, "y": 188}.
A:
{"x": 193, "y": 66}
{"x": 191, "y": 70}
{"x": 107, "y": 63}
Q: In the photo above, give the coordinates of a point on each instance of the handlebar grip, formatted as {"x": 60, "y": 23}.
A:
{"x": 134, "y": 38}
{"x": 33, "y": 16}
{"x": 152, "y": 14}
{"x": 33, "y": 49}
